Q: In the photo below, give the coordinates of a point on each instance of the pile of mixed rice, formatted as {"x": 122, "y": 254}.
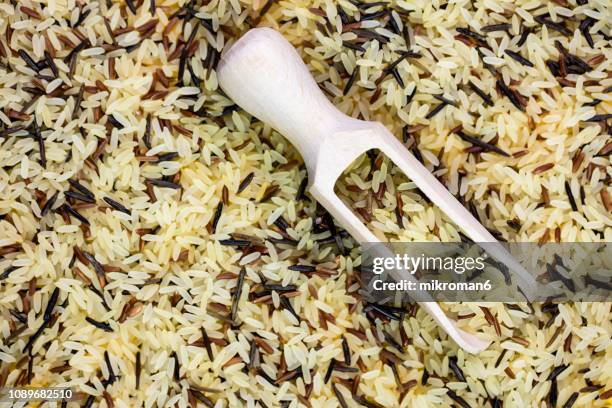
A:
{"x": 157, "y": 247}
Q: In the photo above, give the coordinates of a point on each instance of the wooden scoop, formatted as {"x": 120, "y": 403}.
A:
{"x": 265, "y": 75}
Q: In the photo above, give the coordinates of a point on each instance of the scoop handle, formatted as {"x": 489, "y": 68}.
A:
{"x": 263, "y": 73}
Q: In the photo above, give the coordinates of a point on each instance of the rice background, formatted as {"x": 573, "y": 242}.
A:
{"x": 165, "y": 272}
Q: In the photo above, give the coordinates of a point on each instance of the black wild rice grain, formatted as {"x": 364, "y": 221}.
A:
{"x": 36, "y": 335}
{"x": 97, "y": 292}
{"x": 245, "y": 183}
{"x": 51, "y": 304}
{"x": 478, "y": 142}
{"x": 15, "y": 334}
{"x": 167, "y": 156}
{"x": 82, "y": 17}
{"x": 79, "y": 197}
{"x": 595, "y": 102}
{"x": 281, "y": 223}
{"x": 207, "y": 344}
{"x": 224, "y": 195}
{"x": 265, "y": 376}
{"x": 424, "y": 377}
{"x": 237, "y": 294}
{"x": 284, "y": 241}
{"x": 89, "y": 402}
{"x": 131, "y": 6}
{"x": 77, "y": 103}
{"x": 177, "y": 367}
{"x": 100, "y": 325}
{"x": 573, "y": 63}
{"x": 585, "y": 26}
{"x": 472, "y": 34}
{"x": 111, "y": 374}
{"x": 374, "y": 15}
{"x": 202, "y": 398}
{"x": 49, "y": 204}
{"x": 28, "y": 60}
{"x": 51, "y": 64}
{"x": 396, "y": 28}
{"x": 365, "y": 402}
{"x": 194, "y": 78}
{"x": 339, "y": 396}
{"x": 352, "y": 46}
{"x": 117, "y": 206}
{"x": 510, "y": 94}
{"x": 138, "y": 369}
{"x": 266, "y": 7}
{"x": 254, "y": 356}
{"x": 571, "y": 400}
{"x": 20, "y": 317}
{"x": 162, "y": 183}
{"x": 553, "y": 394}
{"x": 217, "y": 217}
{"x": 300, "y": 195}
{"x": 553, "y": 67}
{"x": 75, "y": 214}
{"x": 453, "y": 395}
{"x": 441, "y": 98}
{"x": 452, "y": 363}
{"x": 152, "y": 7}
{"x": 349, "y": 83}
{"x": 570, "y": 196}
{"x": 518, "y": 57}
{"x": 405, "y": 134}
{"x": 302, "y": 268}
{"x": 391, "y": 340}
{"x": 370, "y": 35}
{"x": 398, "y": 78}
{"x": 346, "y": 351}
{"x": 489, "y": 67}
{"x": 436, "y": 110}
{"x": 343, "y": 16}
{"x": 78, "y": 186}
{"x": 524, "y": 34}
{"x": 330, "y": 370}
{"x": 287, "y": 305}
{"x": 114, "y": 122}
{"x": 485, "y": 97}
{"x": 389, "y": 312}
{"x": 240, "y": 243}
{"x": 147, "y": 134}
{"x": 72, "y": 65}
{"x": 496, "y": 27}
{"x": 182, "y": 62}
{"x": 41, "y": 144}
{"x": 30, "y": 366}
{"x": 591, "y": 388}
{"x": 269, "y": 193}
{"x": 514, "y": 224}
{"x": 411, "y": 96}
{"x": 94, "y": 263}
{"x": 544, "y": 19}
{"x": 403, "y": 56}
{"x": 600, "y": 118}
{"x": 71, "y": 57}
{"x": 11, "y": 130}
{"x": 556, "y": 372}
